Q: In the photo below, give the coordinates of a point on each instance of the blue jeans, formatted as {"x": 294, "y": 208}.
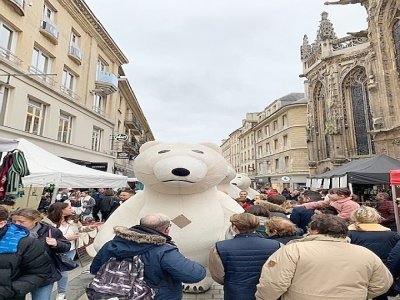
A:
{"x": 62, "y": 284}
{"x": 43, "y": 293}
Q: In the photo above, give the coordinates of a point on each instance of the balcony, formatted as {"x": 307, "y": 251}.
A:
{"x": 131, "y": 147}
{"x": 75, "y": 54}
{"x": 49, "y": 30}
{"x": 42, "y": 76}
{"x": 106, "y": 83}
{"x": 6, "y": 54}
{"x": 132, "y": 123}
{"x": 18, "y": 5}
{"x": 69, "y": 93}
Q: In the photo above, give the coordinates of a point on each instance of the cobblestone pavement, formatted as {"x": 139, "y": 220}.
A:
{"x": 80, "y": 278}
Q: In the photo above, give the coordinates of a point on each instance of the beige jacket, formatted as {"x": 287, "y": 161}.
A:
{"x": 322, "y": 267}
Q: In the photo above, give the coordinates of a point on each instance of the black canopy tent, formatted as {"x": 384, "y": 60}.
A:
{"x": 374, "y": 170}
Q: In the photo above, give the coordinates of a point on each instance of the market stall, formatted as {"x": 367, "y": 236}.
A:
{"x": 46, "y": 168}
{"x": 395, "y": 184}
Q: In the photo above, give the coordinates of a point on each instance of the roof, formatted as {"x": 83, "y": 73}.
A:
{"x": 365, "y": 171}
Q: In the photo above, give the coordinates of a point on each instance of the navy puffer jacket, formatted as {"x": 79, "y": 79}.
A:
{"x": 243, "y": 258}
{"x": 165, "y": 268}
{"x": 380, "y": 242}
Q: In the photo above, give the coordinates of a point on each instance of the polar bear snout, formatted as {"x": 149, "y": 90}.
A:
{"x": 180, "y": 172}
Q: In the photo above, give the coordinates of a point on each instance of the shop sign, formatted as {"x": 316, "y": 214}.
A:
{"x": 121, "y": 137}
{"x": 122, "y": 155}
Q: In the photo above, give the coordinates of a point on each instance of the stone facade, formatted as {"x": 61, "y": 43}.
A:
{"x": 280, "y": 135}
{"x": 62, "y": 85}
{"x": 352, "y": 86}
{"x": 271, "y": 144}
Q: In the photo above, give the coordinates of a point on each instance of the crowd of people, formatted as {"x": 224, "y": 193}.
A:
{"x": 31, "y": 240}
{"x": 284, "y": 246}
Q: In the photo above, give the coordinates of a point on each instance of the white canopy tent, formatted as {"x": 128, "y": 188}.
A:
{"x": 46, "y": 168}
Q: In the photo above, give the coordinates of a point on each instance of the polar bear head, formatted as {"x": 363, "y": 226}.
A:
{"x": 231, "y": 174}
{"x": 242, "y": 181}
{"x": 177, "y": 168}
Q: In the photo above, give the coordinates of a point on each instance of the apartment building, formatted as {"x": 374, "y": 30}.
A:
{"x": 234, "y": 158}
{"x": 280, "y": 143}
{"x": 271, "y": 145}
{"x": 62, "y": 85}
{"x": 247, "y": 145}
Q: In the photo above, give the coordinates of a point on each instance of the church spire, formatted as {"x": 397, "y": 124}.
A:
{"x": 325, "y": 30}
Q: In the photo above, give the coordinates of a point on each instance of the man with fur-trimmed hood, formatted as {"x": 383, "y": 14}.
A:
{"x": 165, "y": 268}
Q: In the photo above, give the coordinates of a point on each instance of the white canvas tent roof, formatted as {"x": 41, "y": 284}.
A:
{"x": 46, "y": 168}
{"x": 7, "y": 144}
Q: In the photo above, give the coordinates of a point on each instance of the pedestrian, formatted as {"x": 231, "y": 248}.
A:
{"x": 263, "y": 215}
{"x": 282, "y": 230}
{"x": 123, "y": 196}
{"x": 385, "y": 209}
{"x": 62, "y": 195}
{"x": 339, "y": 198}
{"x": 366, "y": 231}
{"x": 96, "y": 195}
{"x": 87, "y": 206}
{"x": 323, "y": 265}
{"x": 24, "y": 265}
{"x": 165, "y": 268}
{"x": 60, "y": 215}
{"x": 244, "y": 200}
{"x": 236, "y": 263}
{"x": 107, "y": 202}
{"x": 51, "y": 238}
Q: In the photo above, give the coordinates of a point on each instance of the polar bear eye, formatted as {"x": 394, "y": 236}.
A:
{"x": 163, "y": 151}
{"x": 198, "y": 151}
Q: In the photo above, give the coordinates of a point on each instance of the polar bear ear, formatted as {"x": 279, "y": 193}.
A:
{"x": 148, "y": 145}
{"x": 212, "y": 146}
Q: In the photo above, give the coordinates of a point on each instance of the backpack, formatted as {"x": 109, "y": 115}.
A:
{"x": 120, "y": 279}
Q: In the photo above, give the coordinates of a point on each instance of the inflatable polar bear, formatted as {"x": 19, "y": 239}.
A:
{"x": 243, "y": 182}
{"x": 226, "y": 186}
{"x": 180, "y": 181}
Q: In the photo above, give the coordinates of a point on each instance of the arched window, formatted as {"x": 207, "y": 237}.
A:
{"x": 320, "y": 119}
{"x": 356, "y": 100}
{"x": 396, "y": 37}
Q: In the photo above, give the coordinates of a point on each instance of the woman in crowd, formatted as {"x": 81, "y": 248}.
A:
{"x": 24, "y": 265}
{"x": 366, "y": 231}
{"x": 53, "y": 241}
{"x": 237, "y": 263}
{"x": 107, "y": 203}
{"x": 60, "y": 215}
{"x": 282, "y": 230}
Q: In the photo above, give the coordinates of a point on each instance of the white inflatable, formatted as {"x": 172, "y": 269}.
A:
{"x": 180, "y": 181}
{"x": 226, "y": 186}
{"x": 243, "y": 182}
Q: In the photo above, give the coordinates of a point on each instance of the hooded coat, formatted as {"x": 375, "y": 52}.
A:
{"x": 323, "y": 267}
{"x": 24, "y": 265}
{"x": 165, "y": 268}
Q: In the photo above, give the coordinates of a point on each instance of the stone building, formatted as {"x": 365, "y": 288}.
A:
{"x": 62, "y": 85}
{"x": 352, "y": 86}
{"x": 270, "y": 146}
{"x": 280, "y": 143}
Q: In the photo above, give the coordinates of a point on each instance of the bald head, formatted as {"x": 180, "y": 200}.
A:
{"x": 159, "y": 222}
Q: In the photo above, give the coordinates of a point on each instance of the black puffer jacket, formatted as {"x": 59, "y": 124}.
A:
{"x": 63, "y": 245}
{"x": 23, "y": 268}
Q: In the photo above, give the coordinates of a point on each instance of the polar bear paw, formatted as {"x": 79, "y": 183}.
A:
{"x": 199, "y": 287}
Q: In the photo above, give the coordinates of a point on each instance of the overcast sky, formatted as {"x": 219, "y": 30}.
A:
{"x": 197, "y": 66}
